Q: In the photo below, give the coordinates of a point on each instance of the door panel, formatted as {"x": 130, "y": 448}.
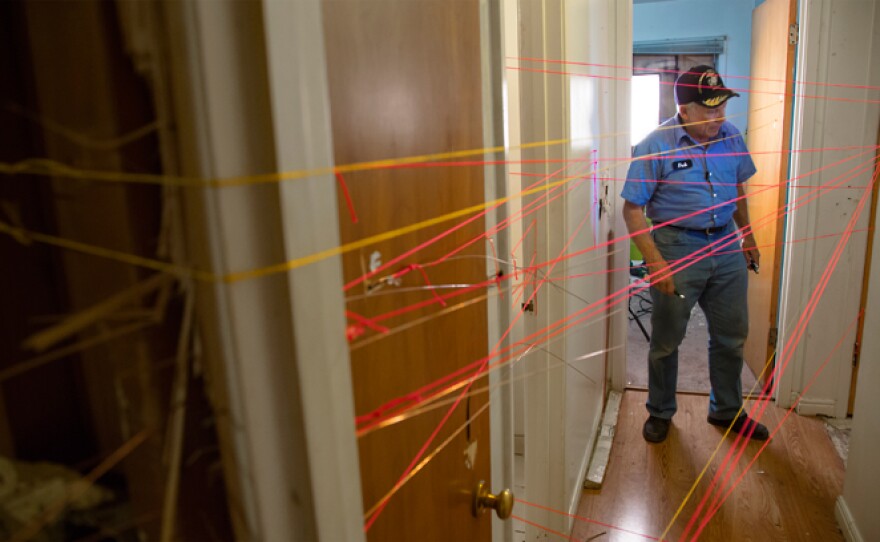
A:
{"x": 404, "y": 80}
{"x": 768, "y": 140}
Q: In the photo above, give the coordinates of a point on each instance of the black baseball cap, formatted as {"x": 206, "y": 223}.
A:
{"x": 703, "y": 85}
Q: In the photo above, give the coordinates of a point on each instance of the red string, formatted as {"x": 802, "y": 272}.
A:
{"x": 525, "y": 233}
{"x": 785, "y": 417}
{"x": 366, "y": 322}
{"x": 421, "y": 269}
{"x": 547, "y": 529}
{"x": 585, "y": 520}
{"x": 764, "y": 445}
{"x": 537, "y": 335}
{"x": 412, "y": 251}
{"x": 668, "y": 83}
{"x": 352, "y": 332}
{"x": 376, "y": 415}
{"x": 479, "y": 372}
{"x": 531, "y": 207}
{"x": 440, "y": 236}
{"x": 484, "y": 212}
{"x": 472, "y": 163}
{"x": 425, "y": 392}
{"x": 787, "y": 352}
{"x": 741, "y": 441}
{"x": 654, "y": 70}
{"x": 348, "y": 202}
{"x": 498, "y": 272}
{"x": 437, "y": 238}
{"x": 443, "y": 298}
{"x": 626, "y": 238}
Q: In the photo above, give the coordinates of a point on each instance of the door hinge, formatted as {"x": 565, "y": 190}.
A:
{"x": 793, "y": 34}
{"x": 772, "y": 337}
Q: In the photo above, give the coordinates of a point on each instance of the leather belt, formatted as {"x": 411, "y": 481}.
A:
{"x": 707, "y": 231}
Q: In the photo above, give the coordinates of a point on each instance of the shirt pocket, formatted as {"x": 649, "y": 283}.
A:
{"x": 724, "y": 177}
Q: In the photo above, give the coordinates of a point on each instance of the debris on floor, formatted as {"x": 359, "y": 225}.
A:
{"x": 838, "y": 430}
{"x": 29, "y": 490}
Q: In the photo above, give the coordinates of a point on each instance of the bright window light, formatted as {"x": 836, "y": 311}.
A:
{"x": 645, "y": 106}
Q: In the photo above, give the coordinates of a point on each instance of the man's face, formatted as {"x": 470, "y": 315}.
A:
{"x": 704, "y": 123}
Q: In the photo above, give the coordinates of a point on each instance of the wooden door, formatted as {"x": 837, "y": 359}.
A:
{"x": 770, "y": 106}
{"x": 404, "y": 80}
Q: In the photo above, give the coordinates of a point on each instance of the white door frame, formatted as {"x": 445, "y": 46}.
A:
{"x": 558, "y": 416}
{"x": 246, "y": 72}
{"x": 831, "y": 49}
{"x": 498, "y": 311}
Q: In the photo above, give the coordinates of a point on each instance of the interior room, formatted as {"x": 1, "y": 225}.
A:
{"x": 358, "y": 270}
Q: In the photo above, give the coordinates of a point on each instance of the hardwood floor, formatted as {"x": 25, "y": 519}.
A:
{"x": 789, "y": 493}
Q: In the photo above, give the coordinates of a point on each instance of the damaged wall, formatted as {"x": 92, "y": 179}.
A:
{"x": 91, "y": 343}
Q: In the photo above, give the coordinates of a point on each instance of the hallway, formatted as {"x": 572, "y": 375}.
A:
{"x": 788, "y": 494}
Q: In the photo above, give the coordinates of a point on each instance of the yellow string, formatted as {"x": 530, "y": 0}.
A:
{"x": 150, "y": 263}
{"x": 296, "y": 262}
{"x": 687, "y": 497}
{"x": 45, "y": 166}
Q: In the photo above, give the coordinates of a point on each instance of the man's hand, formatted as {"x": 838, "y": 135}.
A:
{"x": 741, "y": 217}
{"x": 634, "y": 216}
{"x": 660, "y": 276}
{"x": 751, "y": 253}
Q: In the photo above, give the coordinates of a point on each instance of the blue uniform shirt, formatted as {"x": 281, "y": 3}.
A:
{"x": 677, "y": 176}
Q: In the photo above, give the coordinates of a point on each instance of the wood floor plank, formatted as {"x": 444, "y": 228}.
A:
{"x": 788, "y": 494}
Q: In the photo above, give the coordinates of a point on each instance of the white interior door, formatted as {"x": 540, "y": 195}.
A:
{"x": 563, "y": 112}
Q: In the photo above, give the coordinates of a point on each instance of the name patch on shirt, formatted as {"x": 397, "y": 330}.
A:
{"x": 680, "y": 165}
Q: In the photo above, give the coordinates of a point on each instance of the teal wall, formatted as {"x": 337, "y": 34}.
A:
{"x": 681, "y": 19}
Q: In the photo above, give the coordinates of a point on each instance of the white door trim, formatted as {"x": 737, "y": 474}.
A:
{"x": 303, "y": 141}
{"x": 831, "y": 49}
{"x": 250, "y": 97}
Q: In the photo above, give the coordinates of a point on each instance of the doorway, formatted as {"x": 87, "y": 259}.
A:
{"x": 663, "y": 46}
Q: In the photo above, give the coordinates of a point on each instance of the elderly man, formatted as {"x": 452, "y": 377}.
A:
{"x": 687, "y": 176}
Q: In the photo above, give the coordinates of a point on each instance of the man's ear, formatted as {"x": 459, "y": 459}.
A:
{"x": 683, "y": 111}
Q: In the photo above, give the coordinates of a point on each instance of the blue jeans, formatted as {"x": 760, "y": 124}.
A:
{"x": 719, "y": 284}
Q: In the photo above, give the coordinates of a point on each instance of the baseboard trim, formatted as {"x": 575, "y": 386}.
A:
{"x": 602, "y": 451}
{"x": 813, "y": 407}
{"x": 846, "y": 521}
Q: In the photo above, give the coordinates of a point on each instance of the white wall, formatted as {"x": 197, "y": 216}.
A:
{"x": 680, "y": 19}
{"x": 857, "y": 508}
{"x": 596, "y": 105}
{"x": 836, "y": 47}
{"x": 561, "y": 401}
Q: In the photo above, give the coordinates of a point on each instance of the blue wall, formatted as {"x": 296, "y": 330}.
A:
{"x": 680, "y": 19}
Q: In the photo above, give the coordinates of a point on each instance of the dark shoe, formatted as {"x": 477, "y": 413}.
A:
{"x": 742, "y": 426}
{"x": 655, "y": 429}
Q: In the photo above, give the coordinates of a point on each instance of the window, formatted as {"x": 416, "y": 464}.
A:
{"x": 667, "y": 67}
{"x": 645, "y": 106}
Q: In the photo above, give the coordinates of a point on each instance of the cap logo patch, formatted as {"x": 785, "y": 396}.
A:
{"x": 707, "y": 79}
{"x": 703, "y": 85}
{"x": 717, "y": 100}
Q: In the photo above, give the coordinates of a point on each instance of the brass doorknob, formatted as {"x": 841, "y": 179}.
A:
{"x": 502, "y": 503}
